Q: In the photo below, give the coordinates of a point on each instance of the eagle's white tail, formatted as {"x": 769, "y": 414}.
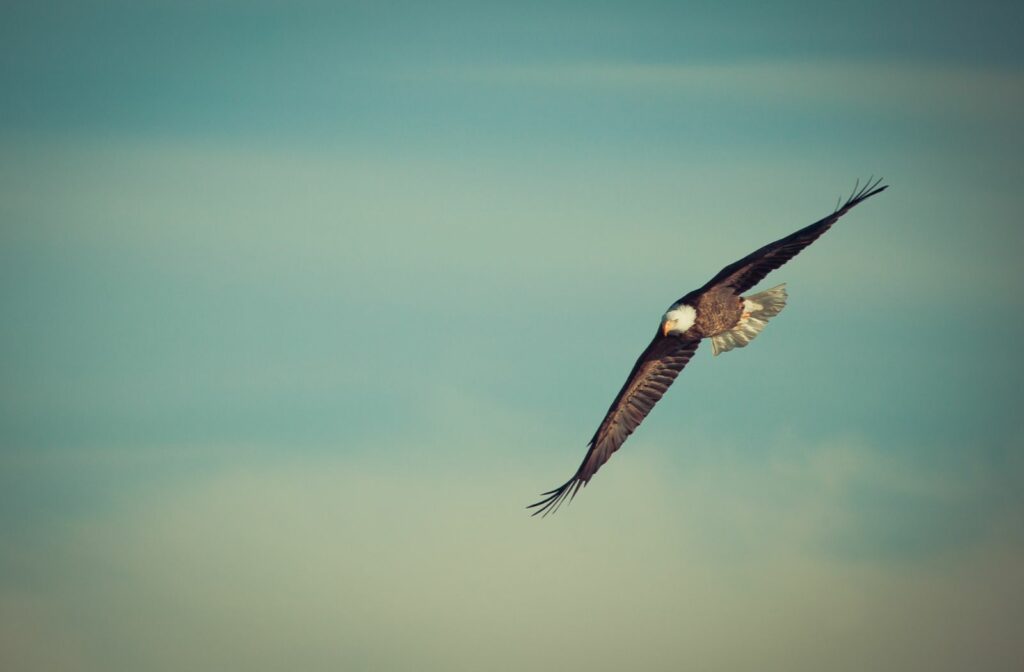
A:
{"x": 757, "y": 310}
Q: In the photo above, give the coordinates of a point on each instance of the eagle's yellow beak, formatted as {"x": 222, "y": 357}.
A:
{"x": 666, "y": 326}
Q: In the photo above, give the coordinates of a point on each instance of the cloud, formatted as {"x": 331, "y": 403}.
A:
{"x": 289, "y": 225}
{"x": 391, "y": 563}
{"x": 927, "y": 89}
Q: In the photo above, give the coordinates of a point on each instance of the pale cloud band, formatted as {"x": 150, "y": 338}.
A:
{"x": 324, "y": 564}
{"x": 947, "y": 90}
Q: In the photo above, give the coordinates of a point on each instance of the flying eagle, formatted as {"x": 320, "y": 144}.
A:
{"x": 717, "y": 311}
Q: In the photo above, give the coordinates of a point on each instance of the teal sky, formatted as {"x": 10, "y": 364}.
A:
{"x": 304, "y": 302}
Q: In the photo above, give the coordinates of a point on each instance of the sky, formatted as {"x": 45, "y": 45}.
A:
{"x": 303, "y": 303}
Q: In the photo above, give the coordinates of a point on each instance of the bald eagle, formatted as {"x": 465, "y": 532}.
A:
{"x": 718, "y": 311}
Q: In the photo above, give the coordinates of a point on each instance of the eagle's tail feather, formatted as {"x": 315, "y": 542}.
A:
{"x": 757, "y": 310}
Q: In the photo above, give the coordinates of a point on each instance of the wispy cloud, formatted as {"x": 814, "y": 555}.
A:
{"x": 310, "y": 219}
{"x": 324, "y": 563}
{"x": 903, "y": 88}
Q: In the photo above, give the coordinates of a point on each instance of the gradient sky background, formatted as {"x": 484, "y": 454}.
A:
{"x": 303, "y": 303}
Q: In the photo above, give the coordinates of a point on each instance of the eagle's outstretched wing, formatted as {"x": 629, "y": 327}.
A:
{"x": 651, "y": 376}
{"x": 751, "y": 269}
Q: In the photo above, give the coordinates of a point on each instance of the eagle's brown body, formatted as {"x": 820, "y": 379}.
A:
{"x": 718, "y": 311}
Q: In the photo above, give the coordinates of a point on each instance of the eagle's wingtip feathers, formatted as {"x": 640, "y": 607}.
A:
{"x": 553, "y": 499}
{"x": 860, "y": 193}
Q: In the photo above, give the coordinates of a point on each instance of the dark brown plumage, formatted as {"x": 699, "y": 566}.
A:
{"x": 717, "y": 311}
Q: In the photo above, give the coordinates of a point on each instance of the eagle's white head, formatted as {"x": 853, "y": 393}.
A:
{"x": 678, "y": 319}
